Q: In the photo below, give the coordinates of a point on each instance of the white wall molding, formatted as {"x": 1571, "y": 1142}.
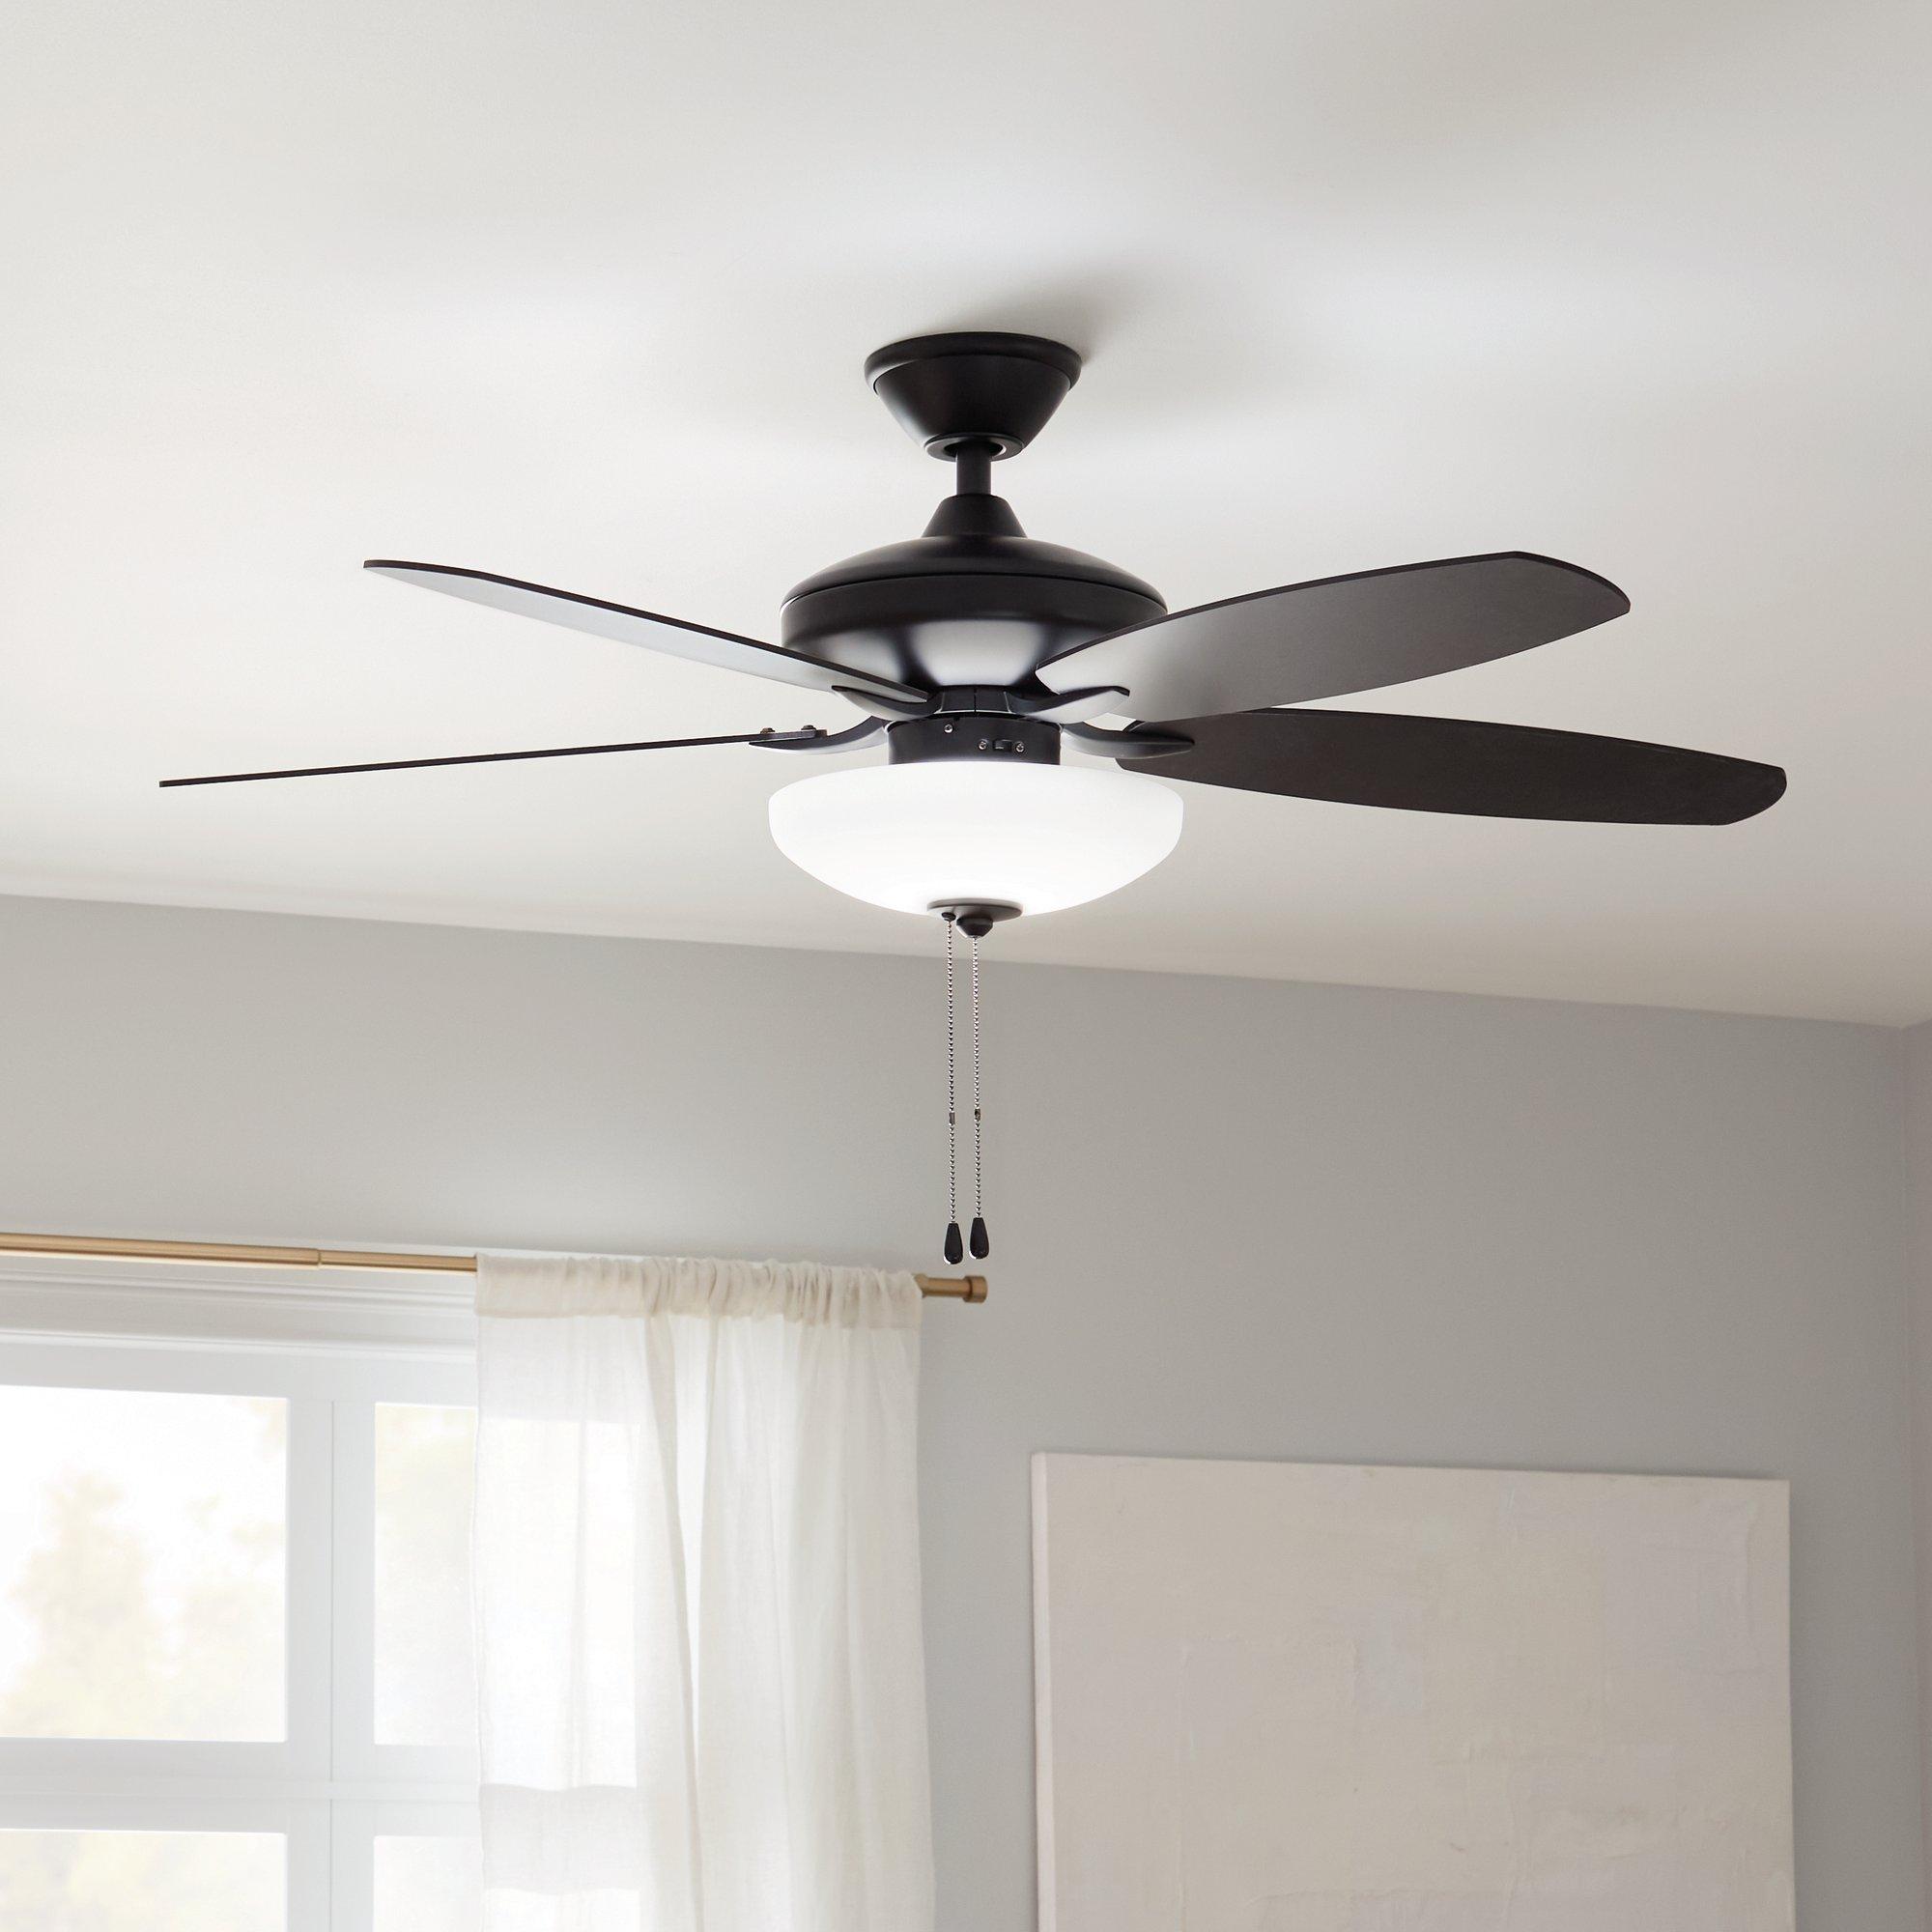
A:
{"x": 220, "y": 1305}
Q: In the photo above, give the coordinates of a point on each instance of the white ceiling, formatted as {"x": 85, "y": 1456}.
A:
{"x": 580, "y": 293}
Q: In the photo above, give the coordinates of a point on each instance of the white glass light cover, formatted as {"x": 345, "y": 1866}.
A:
{"x": 967, "y": 830}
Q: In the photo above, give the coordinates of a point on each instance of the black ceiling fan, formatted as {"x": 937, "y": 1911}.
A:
{"x": 975, "y": 650}
{"x": 975, "y": 641}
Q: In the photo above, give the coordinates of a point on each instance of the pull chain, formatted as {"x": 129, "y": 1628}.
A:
{"x": 979, "y": 1245}
{"x": 952, "y": 1248}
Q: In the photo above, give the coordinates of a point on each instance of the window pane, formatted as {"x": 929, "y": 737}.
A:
{"x": 142, "y": 1564}
{"x": 428, "y": 1885}
{"x": 141, "y": 1882}
{"x": 425, "y": 1690}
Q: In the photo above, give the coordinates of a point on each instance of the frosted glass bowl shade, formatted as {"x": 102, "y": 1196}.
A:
{"x": 969, "y": 829}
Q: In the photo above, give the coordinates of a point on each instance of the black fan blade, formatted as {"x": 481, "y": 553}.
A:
{"x": 810, "y": 737}
{"x": 1340, "y": 634}
{"x": 1458, "y": 765}
{"x": 696, "y": 641}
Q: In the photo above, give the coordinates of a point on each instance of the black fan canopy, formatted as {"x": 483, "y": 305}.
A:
{"x": 976, "y": 646}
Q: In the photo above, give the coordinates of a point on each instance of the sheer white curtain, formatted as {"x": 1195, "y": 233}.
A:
{"x": 702, "y": 1687}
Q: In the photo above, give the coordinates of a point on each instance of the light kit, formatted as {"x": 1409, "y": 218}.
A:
{"x": 1038, "y": 838}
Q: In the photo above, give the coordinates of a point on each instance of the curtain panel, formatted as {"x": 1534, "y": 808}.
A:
{"x": 701, "y": 1682}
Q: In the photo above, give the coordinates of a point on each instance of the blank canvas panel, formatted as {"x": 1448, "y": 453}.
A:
{"x": 1285, "y": 1697}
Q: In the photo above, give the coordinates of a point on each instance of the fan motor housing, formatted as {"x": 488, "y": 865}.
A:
{"x": 975, "y": 600}
{"x": 939, "y": 611}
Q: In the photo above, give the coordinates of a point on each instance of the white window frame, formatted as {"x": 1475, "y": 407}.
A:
{"x": 333, "y": 1343}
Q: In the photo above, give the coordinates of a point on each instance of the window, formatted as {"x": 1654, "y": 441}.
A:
{"x": 235, "y": 1653}
{"x": 426, "y": 1883}
{"x": 160, "y": 1880}
{"x": 143, "y": 1542}
{"x": 425, "y": 1662}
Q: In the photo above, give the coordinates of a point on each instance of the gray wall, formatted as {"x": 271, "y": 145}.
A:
{"x": 1230, "y": 1219}
{"x": 1919, "y": 1238}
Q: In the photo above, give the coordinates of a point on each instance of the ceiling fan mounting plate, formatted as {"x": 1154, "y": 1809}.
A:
{"x": 973, "y": 386}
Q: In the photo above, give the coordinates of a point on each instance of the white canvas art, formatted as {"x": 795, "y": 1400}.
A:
{"x": 1290, "y": 1697}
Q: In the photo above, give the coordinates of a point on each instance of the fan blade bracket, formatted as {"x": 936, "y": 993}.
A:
{"x": 1135, "y": 741}
{"x": 1072, "y": 707}
{"x": 811, "y": 739}
{"x": 886, "y": 702}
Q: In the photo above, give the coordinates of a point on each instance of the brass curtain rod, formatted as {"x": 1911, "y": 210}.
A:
{"x": 77, "y": 1247}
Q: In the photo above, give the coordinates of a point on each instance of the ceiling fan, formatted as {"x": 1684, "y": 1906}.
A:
{"x": 976, "y": 653}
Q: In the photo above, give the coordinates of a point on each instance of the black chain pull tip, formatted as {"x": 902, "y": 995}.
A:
{"x": 980, "y": 1246}
{"x": 953, "y": 1251}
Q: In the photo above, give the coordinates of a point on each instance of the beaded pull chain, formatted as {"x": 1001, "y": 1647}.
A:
{"x": 952, "y": 1248}
{"x": 978, "y": 1244}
